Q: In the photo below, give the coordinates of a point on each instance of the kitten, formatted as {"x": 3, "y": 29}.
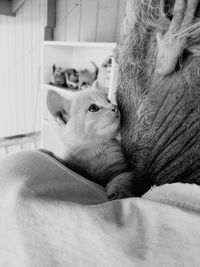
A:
{"x": 58, "y": 76}
{"x": 64, "y": 77}
{"x": 71, "y": 77}
{"x": 86, "y": 77}
{"x": 89, "y": 125}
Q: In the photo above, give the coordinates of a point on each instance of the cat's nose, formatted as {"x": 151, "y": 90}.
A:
{"x": 114, "y": 108}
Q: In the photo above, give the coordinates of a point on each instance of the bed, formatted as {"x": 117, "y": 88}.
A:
{"x": 50, "y": 216}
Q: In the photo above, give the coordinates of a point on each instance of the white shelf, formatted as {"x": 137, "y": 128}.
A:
{"x": 80, "y": 44}
{"x": 66, "y": 55}
{"x": 57, "y": 89}
{"x": 73, "y": 55}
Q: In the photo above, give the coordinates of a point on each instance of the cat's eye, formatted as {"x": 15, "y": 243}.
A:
{"x": 93, "y": 108}
{"x": 108, "y": 100}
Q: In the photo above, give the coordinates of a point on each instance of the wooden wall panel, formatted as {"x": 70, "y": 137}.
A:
{"x": 61, "y": 9}
{"x": 27, "y": 41}
{"x": 5, "y": 101}
{"x": 107, "y": 20}
{"x": 88, "y": 26}
{"x": 20, "y": 54}
{"x": 19, "y": 81}
{"x": 72, "y": 20}
{"x": 89, "y": 20}
{"x": 11, "y": 92}
{"x": 120, "y": 17}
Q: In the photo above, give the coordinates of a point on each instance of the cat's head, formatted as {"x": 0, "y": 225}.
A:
{"x": 84, "y": 116}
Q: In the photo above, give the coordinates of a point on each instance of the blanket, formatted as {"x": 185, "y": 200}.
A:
{"x": 50, "y": 216}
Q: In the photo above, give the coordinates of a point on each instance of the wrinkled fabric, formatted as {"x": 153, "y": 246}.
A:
{"x": 50, "y": 216}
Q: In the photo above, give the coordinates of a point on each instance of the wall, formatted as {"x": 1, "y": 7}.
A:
{"x": 89, "y": 20}
{"x": 20, "y": 39}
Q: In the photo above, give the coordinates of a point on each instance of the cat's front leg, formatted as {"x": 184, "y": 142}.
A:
{"x": 120, "y": 186}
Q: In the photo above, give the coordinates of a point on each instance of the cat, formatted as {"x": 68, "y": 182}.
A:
{"x": 64, "y": 77}
{"x": 58, "y": 76}
{"x": 90, "y": 123}
{"x": 72, "y": 79}
{"x": 71, "y": 76}
{"x": 80, "y": 80}
{"x": 86, "y": 77}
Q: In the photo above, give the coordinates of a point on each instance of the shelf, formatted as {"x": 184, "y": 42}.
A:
{"x": 57, "y": 89}
{"x": 77, "y": 55}
{"x": 80, "y": 44}
{"x": 46, "y": 121}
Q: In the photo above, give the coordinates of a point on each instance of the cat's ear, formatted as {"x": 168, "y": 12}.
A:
{"x": 59, "y": 107}
{"x": 97, "y": 86}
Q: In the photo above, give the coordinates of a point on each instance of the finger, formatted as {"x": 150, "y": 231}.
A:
{"x": 190, "y": 11}
{"x": 178, "y": 15}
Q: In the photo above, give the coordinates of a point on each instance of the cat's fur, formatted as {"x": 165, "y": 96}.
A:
{"x": 89, "y": 138}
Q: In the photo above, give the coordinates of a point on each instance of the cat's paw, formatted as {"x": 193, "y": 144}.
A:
{"x": 117, "y": 192}
{"x": 121, "y": 186}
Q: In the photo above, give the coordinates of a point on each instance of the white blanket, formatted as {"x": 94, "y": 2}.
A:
{"x": 50, "y": 216}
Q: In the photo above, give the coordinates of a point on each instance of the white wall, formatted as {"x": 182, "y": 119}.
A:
{"x": 89, "y": 20}
{"x": 20, "y": 41}
{"x": 20, "y": 47}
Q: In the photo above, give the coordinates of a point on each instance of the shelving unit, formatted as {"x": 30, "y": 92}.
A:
{"x": 68, "y": 55}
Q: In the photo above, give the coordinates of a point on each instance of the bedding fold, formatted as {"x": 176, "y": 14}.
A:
{"x": 51, "y": 216}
